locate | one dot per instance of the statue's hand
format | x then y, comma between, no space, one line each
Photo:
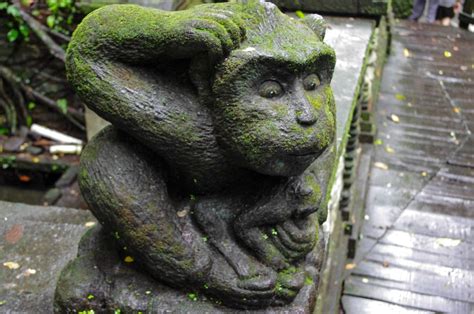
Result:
214,32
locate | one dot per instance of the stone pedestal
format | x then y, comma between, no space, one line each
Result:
103,280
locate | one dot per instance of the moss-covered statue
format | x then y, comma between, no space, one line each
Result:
210,183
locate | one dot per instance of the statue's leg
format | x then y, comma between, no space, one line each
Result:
211,215
125,187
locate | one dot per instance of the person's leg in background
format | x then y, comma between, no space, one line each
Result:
432,8
418,8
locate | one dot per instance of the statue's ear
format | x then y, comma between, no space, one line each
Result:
317,24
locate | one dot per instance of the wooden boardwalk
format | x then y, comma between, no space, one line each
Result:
416,254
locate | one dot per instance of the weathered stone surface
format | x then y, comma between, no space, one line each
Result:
41,240
215,169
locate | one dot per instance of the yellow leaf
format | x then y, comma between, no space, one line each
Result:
395,118
350,266
424,174
11,265
128,259
448,54
182,213
400,97
456,109
89,224
389,150
381,165
35,160
406,52
447,242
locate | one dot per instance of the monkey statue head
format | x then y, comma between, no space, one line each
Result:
274,111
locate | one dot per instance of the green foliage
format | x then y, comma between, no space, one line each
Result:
402,8
16,26
61,15
62,104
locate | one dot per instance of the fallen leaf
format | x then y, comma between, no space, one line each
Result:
381,165
400,97
441,72
447,242
350,266
24,178
11,265
35,160
409,104
182,213
128,259
424,174
385,264
3,302
406,53
90,224
389,150
14,234
456,109
378,142
395,118
448,54
463,68
365,280
29,272
456,48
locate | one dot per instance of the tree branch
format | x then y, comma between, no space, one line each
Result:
71,115
39,30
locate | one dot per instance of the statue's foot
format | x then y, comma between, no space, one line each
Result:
262,279
295,239
290,281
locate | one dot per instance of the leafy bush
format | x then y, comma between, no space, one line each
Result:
402,8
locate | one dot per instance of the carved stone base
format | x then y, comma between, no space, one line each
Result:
99,279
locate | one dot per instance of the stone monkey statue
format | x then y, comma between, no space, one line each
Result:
220,150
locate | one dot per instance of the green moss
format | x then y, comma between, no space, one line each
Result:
308,281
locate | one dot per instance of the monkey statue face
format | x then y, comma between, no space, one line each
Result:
275,114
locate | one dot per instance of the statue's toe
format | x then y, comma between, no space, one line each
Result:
262,281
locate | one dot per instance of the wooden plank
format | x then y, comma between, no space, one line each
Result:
375,289
436,225
356,305
419,277
462,250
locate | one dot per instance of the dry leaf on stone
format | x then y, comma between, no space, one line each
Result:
350,266
11,265
395,118
381,165
447,242
400,97
406,53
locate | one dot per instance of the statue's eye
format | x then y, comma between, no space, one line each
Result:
311,82
270,89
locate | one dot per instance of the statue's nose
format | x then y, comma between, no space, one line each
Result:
305,113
